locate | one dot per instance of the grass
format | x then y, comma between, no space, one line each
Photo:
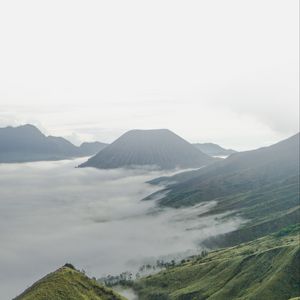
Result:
267,210
266,268
67,283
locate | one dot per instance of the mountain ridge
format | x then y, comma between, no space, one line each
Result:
240,172
261,186
27,143
213,149
67,283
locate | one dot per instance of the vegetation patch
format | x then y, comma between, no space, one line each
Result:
67,283
266,268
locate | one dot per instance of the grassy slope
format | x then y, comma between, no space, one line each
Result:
261,186
267,210
240,173
67,284
266,268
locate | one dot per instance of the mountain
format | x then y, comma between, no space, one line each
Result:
261,186
27,143
241,172
161,148
91,148
265,268
213,149
67,283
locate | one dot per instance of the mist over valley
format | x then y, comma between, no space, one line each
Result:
53,213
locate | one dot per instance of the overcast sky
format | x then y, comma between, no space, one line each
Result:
210,70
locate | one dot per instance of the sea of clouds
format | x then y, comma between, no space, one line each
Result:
52,213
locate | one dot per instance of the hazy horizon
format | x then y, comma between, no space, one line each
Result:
214,71
78,143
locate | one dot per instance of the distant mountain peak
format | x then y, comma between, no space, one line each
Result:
154,147
212,149
27,128
148,130
27,143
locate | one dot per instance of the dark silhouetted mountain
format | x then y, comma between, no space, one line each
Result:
213,149
161,148
27,143
91,148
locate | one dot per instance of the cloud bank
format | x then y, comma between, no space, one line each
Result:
52,213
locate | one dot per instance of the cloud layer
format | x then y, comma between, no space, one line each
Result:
52,213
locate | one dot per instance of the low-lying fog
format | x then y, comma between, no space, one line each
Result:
52,213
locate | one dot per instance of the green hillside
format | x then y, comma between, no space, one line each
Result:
67,283
266,268
240,173
261,186
266,210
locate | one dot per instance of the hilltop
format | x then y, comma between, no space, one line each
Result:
212,149
67,283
